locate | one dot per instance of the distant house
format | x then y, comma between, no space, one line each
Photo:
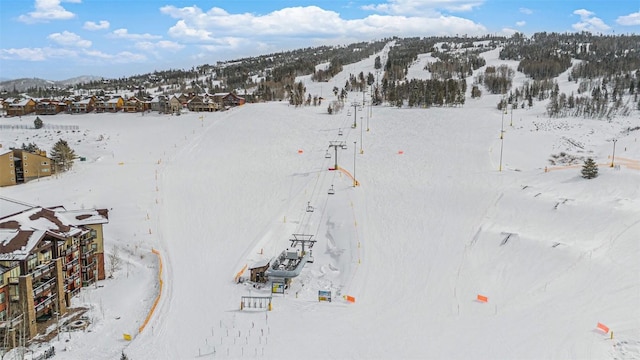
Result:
24,166
159,104
202,103
50,107
133,104
174,104
22,107
114,104
226,100
100,105
83,106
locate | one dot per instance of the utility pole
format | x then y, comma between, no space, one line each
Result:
355,182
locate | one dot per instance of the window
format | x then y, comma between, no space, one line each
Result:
2,297
44,163
11,164
45,170
25,157
25,164
3,314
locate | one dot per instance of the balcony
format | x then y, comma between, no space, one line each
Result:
86,254
70,250
45,302
88,267
43,270
71,263
41,288
14,281
71,278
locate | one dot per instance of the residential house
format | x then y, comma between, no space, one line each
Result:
100,105
50,107
159,104
7,168
198,103
46,256
22,107
83,106
114,104
174,104
226,100
133,104
24,166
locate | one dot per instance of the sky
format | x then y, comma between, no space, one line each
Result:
60,39
445,210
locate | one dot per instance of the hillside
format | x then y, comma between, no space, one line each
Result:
453,201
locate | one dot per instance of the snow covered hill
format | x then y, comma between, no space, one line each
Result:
445,211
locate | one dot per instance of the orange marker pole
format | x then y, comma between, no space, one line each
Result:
482,298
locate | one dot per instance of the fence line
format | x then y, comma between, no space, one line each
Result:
45,126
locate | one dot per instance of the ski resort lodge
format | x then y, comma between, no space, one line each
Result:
46,256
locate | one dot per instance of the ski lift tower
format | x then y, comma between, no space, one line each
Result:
303,240
335,145
355,112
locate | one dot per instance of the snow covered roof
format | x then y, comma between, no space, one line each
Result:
84,217
39,218
21,103
21,232
18,244
114,100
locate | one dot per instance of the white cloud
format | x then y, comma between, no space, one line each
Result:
183,31
629,20
207,28
120,58
124,34
92,26
69,39
422,7
159,45
588,22
36,54
526,11
46,10
508,31
521,23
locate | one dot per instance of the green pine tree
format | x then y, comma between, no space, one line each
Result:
589,169
38,123
62,155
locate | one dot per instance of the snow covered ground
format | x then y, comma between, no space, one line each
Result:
432,225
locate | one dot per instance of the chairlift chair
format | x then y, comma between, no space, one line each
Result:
309,207
339,132
343,147
348,113
331,191
327,155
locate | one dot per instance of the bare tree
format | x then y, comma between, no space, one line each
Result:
115,262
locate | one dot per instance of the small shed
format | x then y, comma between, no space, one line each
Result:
257,270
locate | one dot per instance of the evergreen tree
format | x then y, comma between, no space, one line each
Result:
62,155
37,123
589,169
32,147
